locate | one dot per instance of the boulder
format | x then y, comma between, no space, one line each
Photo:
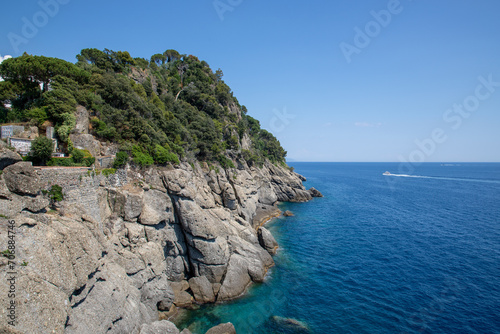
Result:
236,280
315,193
227,328
157,207
22,179
267,194
8,157
202,289
182,298
229,196
157,294
198,222
288,213
85,141
159,327
133,206
36,204
267,240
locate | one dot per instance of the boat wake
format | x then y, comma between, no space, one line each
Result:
443,178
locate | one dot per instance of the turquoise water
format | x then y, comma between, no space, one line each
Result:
416,253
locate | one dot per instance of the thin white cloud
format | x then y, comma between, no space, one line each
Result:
367,125
4,57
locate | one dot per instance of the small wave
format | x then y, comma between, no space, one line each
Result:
445,178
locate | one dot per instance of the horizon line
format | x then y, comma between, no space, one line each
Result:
427,162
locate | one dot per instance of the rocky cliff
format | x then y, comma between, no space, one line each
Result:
147,242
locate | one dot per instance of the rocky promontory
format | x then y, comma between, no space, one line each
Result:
121,249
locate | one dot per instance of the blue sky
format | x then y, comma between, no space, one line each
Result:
331,81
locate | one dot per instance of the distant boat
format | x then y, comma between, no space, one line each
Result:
387,173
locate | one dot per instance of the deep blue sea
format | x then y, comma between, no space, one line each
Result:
416,253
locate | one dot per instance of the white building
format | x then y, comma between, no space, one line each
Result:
22,145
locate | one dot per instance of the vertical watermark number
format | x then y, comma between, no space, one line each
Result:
10,254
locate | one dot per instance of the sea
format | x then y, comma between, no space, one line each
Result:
417,251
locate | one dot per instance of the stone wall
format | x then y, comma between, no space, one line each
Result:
80,185
105,161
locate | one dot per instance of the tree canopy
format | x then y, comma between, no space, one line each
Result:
159,110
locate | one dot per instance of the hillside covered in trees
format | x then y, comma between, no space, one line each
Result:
169,107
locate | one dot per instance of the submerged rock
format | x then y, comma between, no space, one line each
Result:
288,213
294,325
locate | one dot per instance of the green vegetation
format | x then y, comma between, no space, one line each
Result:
225,162
161,110
121,159
41,150
108,171
141,157
6,253
78,155
78,158
55,193
163,155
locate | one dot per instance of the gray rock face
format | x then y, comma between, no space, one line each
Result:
22,179
110,297
202,289
82,120
8,157
184,236
157,294
227,328
267,241
159,327
315,193
86,141
157,208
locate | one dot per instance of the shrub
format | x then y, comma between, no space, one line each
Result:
121,159
108,171
225,162
63,162
41,150
88,161
55,193
141,157
77,155
163,155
